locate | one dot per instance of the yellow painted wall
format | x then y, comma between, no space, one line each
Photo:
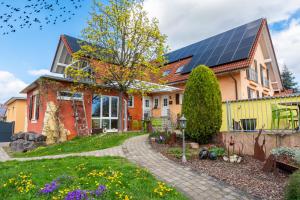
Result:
16,111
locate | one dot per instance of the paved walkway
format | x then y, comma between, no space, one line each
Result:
137,149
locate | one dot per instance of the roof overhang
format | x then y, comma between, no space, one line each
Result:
13,99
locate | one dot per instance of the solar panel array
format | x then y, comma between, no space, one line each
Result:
230,46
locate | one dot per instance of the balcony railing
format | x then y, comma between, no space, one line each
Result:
265,82
272,114
252,75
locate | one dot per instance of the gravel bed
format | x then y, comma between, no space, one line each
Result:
246,176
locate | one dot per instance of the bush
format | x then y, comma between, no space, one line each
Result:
177,152
202,105
219,151
293,188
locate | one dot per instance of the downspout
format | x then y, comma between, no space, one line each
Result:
235,86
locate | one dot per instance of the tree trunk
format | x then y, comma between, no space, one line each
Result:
120,114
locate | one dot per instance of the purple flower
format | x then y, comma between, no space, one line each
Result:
49,187
77,195
99,190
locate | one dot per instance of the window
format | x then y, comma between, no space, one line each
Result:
179,69
34,107
156,103
180,98
251,93
177,99
66,95
147,103
255,65
165,103
261,74
131,101
166,73
105,111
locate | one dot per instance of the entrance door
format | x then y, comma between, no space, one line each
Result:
165,106
146,107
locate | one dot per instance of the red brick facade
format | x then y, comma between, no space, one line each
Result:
66,109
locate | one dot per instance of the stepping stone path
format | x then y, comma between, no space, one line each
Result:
195,185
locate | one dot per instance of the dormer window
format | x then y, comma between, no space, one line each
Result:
166,73
179,69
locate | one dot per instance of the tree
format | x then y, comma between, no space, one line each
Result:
122,45
288,79
202,104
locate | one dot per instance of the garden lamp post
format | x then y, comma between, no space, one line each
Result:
182,122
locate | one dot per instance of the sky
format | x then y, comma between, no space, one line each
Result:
28,53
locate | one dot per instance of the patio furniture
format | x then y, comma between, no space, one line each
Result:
283,113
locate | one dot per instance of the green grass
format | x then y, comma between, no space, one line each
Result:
120,177
80,144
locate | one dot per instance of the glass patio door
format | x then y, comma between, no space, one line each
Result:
105,112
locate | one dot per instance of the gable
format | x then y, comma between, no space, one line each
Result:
231,46
62,57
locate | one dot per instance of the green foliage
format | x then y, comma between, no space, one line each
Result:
23,180
294,152
288,79
202,104
292,191
177,152
80,144
219,151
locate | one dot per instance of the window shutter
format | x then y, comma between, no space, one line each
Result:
177,99
30,107
37,108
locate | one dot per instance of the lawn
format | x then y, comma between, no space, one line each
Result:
80,144
82,177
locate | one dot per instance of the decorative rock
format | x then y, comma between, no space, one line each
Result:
23,142
212,156
152,139
194,145
225,158
203,154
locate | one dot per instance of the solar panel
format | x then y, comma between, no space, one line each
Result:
230,46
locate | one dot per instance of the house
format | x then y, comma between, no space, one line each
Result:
16,112
242,58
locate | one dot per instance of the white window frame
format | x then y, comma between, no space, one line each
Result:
156,98
130,98
180,99
67,98
110,113
34,106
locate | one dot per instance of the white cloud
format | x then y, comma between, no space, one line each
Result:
185,22
287,46
10,86
40,72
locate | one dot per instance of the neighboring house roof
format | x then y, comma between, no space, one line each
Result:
13,99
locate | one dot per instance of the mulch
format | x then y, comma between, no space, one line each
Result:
246,176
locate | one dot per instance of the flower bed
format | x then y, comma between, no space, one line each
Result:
247,175
81,178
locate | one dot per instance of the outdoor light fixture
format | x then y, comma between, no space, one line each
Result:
182,122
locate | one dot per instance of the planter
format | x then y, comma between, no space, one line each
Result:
286,167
